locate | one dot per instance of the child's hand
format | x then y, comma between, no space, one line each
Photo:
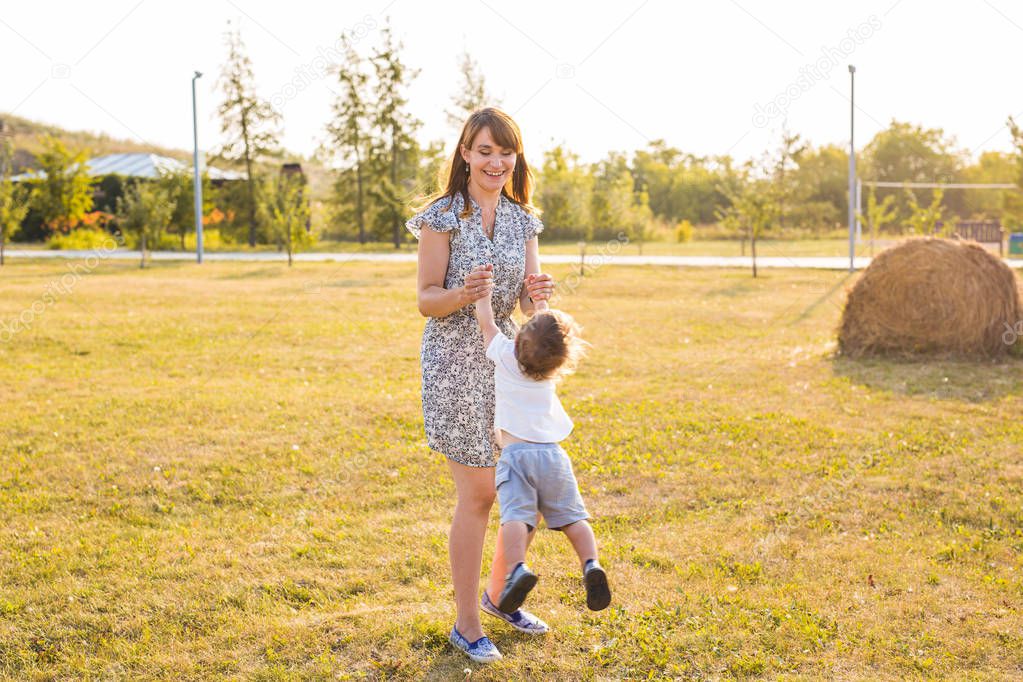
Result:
489,270
484,307
479,283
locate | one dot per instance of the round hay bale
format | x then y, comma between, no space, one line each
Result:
932,297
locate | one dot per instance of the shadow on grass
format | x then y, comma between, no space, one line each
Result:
450,664
128,266
940,379
735,290
275,270
350,283
57,268
825,297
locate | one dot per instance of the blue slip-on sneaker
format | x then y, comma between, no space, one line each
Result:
516,586
523,621
480,651
598,593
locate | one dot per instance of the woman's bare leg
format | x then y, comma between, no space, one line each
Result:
475,488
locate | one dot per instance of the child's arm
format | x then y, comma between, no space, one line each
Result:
485,312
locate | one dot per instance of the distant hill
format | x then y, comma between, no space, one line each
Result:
27,145
27,133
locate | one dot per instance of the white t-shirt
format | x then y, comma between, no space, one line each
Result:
525,408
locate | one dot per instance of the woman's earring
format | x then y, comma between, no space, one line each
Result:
466,168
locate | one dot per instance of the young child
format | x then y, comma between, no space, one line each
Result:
534,474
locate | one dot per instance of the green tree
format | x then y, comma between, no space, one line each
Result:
991,168
396,151
350,139
145,212
248,123
615,207
1017,142
564,193
908,153
878,214
821,183
14,201
287,204
64,195
787,158
654,171
924,219
472,93
680,186
13,207
180,188
234,199
755,205
1013,201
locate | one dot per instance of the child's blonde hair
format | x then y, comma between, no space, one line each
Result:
549,345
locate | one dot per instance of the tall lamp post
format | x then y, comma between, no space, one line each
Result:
852,169
196,171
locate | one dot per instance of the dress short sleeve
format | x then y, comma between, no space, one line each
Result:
440,216
533,226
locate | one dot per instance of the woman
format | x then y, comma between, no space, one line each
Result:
482,216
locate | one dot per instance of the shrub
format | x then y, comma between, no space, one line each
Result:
81,239
684,231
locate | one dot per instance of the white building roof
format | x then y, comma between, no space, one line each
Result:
138,166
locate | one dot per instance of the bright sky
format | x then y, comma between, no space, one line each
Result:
708,77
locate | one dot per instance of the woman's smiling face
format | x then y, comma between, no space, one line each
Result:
490,164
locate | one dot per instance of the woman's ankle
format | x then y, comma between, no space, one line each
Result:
470,630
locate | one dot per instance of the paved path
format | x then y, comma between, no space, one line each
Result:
592,260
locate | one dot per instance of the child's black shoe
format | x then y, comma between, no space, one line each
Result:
598,593
516,586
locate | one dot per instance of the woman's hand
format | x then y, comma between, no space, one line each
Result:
478,284
539,286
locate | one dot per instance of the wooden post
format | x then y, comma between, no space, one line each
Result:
582,258
753,249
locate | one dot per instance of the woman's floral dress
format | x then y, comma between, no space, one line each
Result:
458,379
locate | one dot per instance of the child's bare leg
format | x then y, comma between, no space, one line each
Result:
502,565
583,541
598,593
514,535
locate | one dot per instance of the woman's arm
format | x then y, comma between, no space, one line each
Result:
433,299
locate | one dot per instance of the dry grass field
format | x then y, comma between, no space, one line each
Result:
219,471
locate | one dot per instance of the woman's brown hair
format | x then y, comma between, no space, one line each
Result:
506,133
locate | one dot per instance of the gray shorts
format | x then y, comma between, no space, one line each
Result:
537,477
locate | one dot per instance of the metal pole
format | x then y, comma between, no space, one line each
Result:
197,173
859,210
852,169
